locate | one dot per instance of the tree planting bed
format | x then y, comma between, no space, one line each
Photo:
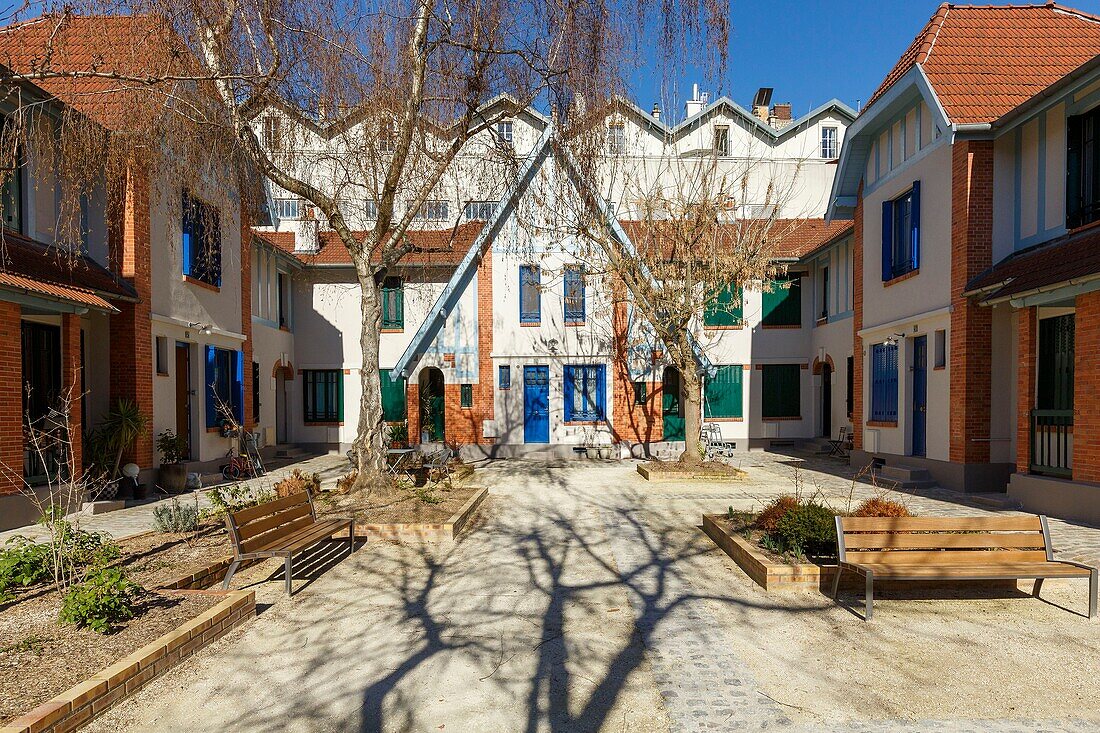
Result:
437,515
677,471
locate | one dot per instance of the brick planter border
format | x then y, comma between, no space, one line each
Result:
672,476
767,574
90,698
433,532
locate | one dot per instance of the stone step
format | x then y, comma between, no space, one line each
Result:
904,473
994,500
290,452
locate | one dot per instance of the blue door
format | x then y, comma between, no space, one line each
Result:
920,394
536,404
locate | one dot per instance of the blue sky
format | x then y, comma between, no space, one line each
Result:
809,51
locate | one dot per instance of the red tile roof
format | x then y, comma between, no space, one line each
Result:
1070,257
790,238
985,60
126,45
433,246
56,275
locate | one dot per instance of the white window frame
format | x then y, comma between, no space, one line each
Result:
479,210
830,142
721,141
434,210
616,138
505,131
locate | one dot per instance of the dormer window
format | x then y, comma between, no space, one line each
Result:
504,134
722,140
616,138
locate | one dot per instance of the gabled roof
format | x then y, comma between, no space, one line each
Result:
432,246
37,269
1067,260
984,60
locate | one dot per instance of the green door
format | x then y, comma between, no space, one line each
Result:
432,404
672,408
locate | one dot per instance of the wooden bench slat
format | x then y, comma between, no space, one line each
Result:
868,541
270,522
278,534
302,538
975,571
1014,523
946,557
244,516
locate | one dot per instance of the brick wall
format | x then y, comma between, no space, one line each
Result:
1086,389
857,323
70,377
131,328
246,316
971,324
11,398
1026,333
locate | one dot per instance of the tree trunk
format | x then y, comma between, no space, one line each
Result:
371,452
691,388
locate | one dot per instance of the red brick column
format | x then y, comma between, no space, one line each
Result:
630,422
131,329
71,384
971,324
11,398
246,318
1027,330
1086,389
412,407
857,323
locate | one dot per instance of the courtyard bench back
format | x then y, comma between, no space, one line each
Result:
280,528
952,548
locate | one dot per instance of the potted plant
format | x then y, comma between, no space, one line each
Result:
399,434
124,424
173,473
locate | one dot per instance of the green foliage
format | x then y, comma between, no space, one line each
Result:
67,553
808,529
32,644
104,598
424,494
23,563
228,499
171,447
176,517
399,432
121,426
775,510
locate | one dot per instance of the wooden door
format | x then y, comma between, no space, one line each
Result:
183,395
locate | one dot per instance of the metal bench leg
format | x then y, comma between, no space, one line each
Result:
1038,587
229,573
287,565
870,596
836,581
1092,594
351,538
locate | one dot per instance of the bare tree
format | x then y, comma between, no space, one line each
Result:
393,86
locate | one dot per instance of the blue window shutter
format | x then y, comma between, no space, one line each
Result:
914,218
887,239
186,225
892,382
600,401
211,378
238,387
567,390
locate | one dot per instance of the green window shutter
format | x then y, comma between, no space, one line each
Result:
722,395
725,309
781,390
783,305
393,303
393,397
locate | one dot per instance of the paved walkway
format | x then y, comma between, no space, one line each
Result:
588,600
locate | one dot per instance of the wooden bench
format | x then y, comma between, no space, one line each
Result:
280,528
952,548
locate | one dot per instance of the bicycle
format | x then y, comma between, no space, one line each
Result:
239,466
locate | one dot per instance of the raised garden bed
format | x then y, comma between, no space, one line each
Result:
676,471
409,517
769,573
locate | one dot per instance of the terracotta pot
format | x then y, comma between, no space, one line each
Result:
172,477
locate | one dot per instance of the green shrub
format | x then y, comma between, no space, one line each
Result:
775,510
228,499
23,563
176,517
105,597
808,529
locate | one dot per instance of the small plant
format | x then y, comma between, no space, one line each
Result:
104,598
297,482
399,433
424,494
880,506
228,499
30,645
176,517
774,511
23,563
172,447
808,529
346,482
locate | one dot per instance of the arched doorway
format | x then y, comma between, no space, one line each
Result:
284,378
672,406
432,406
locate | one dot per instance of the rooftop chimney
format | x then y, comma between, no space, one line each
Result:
656,111
695,105
761,102
783,112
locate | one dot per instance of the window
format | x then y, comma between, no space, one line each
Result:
574,295
162,355
41,377
940,344
829,149
884,383
370,209
1082,169
323,393
504,133
202,241
289,209
781,390
255,392
504,377
393,303
479,210
387,135
824,293
584,393
722,394
282,291
272,132
393,396
850,396
901,234
1056,363
640,393
616,138
722,140
783,302
466,395
530,301
725,310
224,385
434,211
11,192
